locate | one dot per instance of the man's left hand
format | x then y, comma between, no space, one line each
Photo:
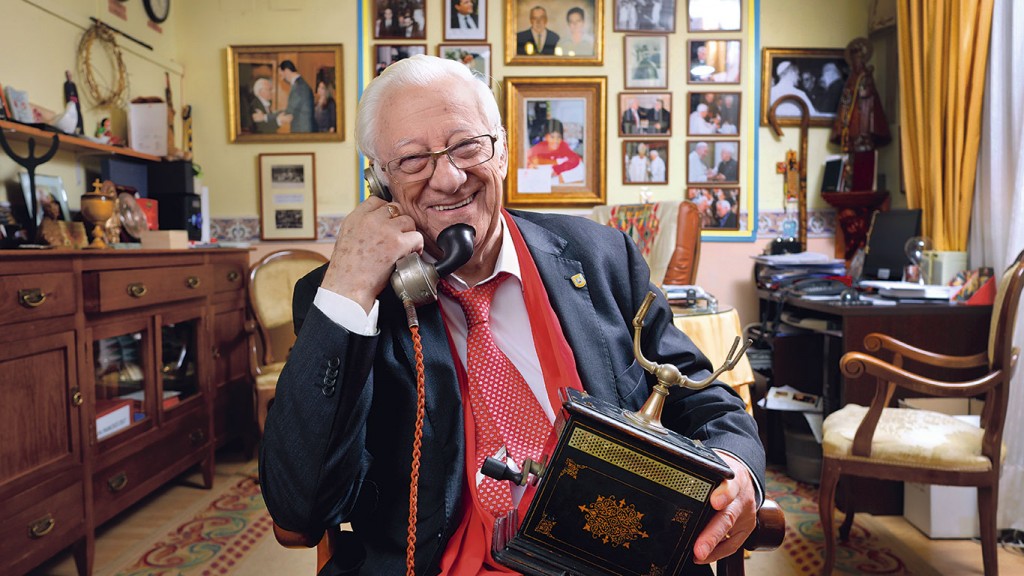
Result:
736,503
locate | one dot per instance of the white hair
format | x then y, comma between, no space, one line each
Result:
417,73
702,107
729,148
259,82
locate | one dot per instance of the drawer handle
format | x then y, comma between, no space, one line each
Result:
31,297
42,527
215,351
192,282
76,397
117,482
197,437
137,289
233,276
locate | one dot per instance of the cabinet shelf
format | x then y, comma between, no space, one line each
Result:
22,132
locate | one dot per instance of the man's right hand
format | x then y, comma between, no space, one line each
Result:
369,243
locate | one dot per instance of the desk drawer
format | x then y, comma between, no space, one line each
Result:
44,527
36,296
229,276
111,290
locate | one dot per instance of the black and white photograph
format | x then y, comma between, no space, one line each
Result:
287,176
816,77
287,196
715,15
396,19
646,61
713,113
476,57
713,161
645,162
465,20
653,16
714,61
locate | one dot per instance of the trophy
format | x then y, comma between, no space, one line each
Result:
619,493
97,208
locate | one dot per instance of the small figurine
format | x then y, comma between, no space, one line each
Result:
71,97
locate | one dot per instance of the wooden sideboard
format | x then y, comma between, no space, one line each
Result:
119,370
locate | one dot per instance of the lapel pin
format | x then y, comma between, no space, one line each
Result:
579,281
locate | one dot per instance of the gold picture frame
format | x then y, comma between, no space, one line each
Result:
547,171
801,62
574,33
288,196
284,110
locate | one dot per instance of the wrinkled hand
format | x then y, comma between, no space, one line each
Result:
736,503
369,243
259,116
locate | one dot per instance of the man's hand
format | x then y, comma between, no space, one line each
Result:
372,238
259,116
736,503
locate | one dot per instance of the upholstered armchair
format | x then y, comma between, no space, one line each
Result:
667,233
271,333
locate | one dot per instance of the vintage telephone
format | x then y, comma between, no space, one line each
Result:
692,298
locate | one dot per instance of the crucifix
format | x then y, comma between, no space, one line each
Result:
796,180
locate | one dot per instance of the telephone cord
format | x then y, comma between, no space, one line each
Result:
417,441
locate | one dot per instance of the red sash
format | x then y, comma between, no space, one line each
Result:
469,550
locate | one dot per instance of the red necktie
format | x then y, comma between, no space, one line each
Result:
505,410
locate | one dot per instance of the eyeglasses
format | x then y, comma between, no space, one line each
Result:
463,155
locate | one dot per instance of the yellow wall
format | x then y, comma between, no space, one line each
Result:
193,48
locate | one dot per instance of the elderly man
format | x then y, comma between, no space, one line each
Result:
262,119
697,170
339,436
537,39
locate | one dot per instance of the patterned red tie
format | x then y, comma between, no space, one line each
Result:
505,410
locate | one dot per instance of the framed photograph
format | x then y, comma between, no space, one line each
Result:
286,93
561,32
713,161
288,196
556,141
51,198
715,15
653,16
399,20
720,208
465,20
645,113
645,162
714,113
714,61
476,57
387,54
646,61
816,76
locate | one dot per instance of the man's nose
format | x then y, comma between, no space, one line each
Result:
446,176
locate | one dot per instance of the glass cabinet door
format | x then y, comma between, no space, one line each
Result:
120,370
179,370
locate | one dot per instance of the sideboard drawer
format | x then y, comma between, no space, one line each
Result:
229,276
43,527
110,290
36,296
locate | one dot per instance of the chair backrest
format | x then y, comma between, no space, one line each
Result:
1001,351
667,233
271,283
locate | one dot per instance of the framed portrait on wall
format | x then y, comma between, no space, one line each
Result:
815,76
476,57
645,161
285,93
288,196
654,17
720,208
406,20
714,162
646,61
714,61
465,20
715,15
713,113
560,32
50,196
387,54
645,113
556,141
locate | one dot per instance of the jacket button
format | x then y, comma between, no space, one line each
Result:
334,362
328,390
332,373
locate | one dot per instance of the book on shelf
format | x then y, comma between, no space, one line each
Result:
170,397
832,176
865,170
112,416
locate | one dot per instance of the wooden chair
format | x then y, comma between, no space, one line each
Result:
920,445
271,334
667,233
767,535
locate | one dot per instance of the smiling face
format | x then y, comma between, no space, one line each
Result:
418,121
538,20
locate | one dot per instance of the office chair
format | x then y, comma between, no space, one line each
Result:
920,445
667,233
271,335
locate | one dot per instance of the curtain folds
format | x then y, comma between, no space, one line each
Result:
943,51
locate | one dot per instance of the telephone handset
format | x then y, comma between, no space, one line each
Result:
374,186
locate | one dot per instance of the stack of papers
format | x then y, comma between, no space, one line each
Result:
890,289
778,270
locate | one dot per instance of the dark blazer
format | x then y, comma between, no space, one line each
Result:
526,37
300,106
268,126
338,438
457,22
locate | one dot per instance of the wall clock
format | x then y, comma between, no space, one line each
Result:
157,9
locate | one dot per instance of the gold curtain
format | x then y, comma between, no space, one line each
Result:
943,50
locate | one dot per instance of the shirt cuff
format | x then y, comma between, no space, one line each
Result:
346,313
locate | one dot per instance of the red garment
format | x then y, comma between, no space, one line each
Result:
543,152
469,550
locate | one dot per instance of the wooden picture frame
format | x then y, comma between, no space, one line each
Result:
645,162
715,15
385,55
574,32
786,71
707,168
408,24
544,170
723,115
645,113
715,61
465,20
288,196
645,17
283,111
476,57
708,199
645,59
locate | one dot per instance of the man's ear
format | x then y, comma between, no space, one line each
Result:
502,154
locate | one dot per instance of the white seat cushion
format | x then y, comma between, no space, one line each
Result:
908,437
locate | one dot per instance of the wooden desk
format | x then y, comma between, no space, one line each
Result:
714,335
938,327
